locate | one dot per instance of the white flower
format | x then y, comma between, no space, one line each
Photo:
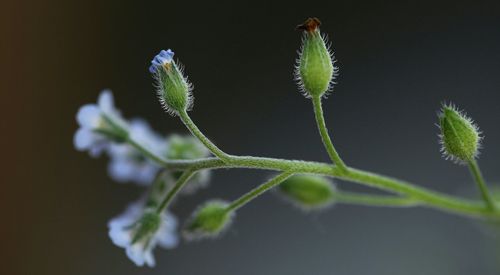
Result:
98,123
127,164
122,230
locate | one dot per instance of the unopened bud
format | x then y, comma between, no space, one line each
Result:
209,220
460,137
174,91
315,70
308,191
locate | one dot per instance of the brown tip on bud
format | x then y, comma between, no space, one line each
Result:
310,25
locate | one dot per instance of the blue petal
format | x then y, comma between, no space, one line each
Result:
84,139
121,170
106,102
152,69
89,116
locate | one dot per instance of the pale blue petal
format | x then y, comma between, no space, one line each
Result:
162,58
121,151
140,256
135,254
142,133
167,234
119,236
84,139
168,241
106,102
89,116
145,173
121,170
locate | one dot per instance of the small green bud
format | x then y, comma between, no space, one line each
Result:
209,220
308,191
146,227
460,137
315,70
174,91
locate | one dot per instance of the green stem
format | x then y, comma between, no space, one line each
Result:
177,187
426,197
373,200
478,177
203,139
254,193
146,152
325,137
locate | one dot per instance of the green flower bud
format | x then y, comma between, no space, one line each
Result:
146,227
460,137
308,191
315,70
209,220
174,91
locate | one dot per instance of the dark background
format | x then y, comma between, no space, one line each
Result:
398,62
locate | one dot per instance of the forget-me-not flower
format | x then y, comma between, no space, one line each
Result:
124,228
127,164
99,124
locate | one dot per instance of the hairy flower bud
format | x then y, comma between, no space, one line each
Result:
460,137
209,220
174,90
308,191
315,70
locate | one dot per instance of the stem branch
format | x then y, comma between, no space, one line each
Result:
258,191
478,177
325,137
203,139
177,187
425,196
373,200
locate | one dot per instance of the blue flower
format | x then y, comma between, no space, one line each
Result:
122,230
98,124
127,164
164,57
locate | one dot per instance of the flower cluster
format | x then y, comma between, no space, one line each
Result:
139,230
100,124
104,130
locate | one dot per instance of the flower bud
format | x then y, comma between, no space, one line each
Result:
174,91
209,220
315,70
308,191
460,137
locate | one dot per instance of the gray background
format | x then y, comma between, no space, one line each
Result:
398,62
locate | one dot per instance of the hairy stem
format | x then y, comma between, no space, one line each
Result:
425,196
478,177
373,200
177,187
323,131
203,139
259,190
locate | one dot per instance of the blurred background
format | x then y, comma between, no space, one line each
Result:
398,62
